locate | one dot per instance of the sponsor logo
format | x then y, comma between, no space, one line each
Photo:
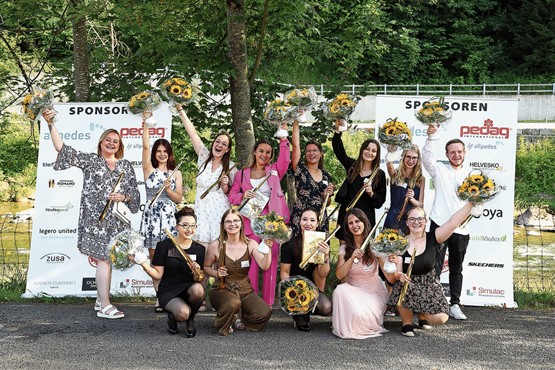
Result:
471,146
75,135
135,283
58,209
93,261
485,292
57,233
159,132
488,130
485,264
61,183
486,166
492,239
446,289
454,106
48,164
55,258
89,283
490,214
75,111
55,284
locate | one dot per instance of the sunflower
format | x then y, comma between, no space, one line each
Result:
489,186
187,93
180,81
292,308
291,293
345,102
341,97
334,108
473,190
176,89
427,111
27,99
392,237
304,299
301,284
476,179
390,131
143,95
132,101
291,95
463,187
438,109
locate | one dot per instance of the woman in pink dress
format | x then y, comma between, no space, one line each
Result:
359,302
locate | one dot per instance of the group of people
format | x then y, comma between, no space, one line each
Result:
221,242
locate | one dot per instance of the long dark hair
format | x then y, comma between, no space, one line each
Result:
166,144
350,246
298,240
252,159
226,157
356,168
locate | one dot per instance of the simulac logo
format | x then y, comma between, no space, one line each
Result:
485,131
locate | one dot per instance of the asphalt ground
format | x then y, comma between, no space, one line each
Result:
69,336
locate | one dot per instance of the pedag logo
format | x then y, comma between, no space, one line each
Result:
159,132
55,258
487,130
93,261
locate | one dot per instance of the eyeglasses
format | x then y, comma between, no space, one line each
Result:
411,158
237,221
413,220
187,226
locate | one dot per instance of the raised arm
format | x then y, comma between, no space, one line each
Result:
190,128
296,141
444,231
48,116
428,157
263,260
339,150
284,158
147,164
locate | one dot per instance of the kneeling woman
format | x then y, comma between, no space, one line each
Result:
180,293
291,258
231,253
358,303
424,294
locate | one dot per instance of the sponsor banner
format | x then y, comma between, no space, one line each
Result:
488,129
56,267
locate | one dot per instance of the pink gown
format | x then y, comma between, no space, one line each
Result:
359,303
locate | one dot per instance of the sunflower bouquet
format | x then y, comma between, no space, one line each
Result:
271,226
390,241
477,188
121,246
279,112
302,99
178,91
433,111
146,101
340,108
297,295
396,133
36,102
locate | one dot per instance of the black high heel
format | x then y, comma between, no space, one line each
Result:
305,328
172,324
190,333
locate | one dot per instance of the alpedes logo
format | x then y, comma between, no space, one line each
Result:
485,131
490,239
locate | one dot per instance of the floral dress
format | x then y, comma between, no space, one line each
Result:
161,215
209,210
309,194
93,235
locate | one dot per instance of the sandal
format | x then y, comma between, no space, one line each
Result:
97,305
158,309
110,312
239,324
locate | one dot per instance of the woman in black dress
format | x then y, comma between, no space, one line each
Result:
424,293
180,293
291,258
358,170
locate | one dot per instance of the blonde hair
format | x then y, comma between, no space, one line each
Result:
119,152
400,177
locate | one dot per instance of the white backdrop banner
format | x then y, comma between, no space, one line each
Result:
488,128
56,267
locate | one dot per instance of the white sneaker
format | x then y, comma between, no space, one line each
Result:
456,313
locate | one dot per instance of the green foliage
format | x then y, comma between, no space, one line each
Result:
534,180
535,300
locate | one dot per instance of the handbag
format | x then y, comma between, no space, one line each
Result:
341,195
122,212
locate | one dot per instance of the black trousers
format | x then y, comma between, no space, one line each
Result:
456,244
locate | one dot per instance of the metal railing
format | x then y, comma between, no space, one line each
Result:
450,89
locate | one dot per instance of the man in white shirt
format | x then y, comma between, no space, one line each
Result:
447,177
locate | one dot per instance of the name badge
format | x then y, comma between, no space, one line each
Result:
404,185
193,257
407,260
245,263
274,173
